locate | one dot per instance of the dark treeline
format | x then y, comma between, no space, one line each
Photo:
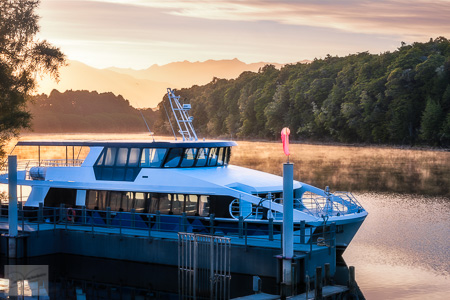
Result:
83,111
400,97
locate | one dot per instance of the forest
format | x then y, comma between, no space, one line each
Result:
85,111
400,97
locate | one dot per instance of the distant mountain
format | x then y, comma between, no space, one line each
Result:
186,74
78,76
145,88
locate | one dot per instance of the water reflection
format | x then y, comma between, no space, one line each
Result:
78,277
402,251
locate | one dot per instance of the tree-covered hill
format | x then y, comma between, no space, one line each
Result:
84,111
400,97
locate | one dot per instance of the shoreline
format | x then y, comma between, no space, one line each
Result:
256,140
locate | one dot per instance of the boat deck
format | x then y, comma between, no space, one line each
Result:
249,241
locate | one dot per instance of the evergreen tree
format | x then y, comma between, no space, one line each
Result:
22,55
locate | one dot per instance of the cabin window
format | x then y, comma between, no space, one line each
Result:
189,157
212,158
190,205
177,204
203,206
100,160
110,156
122,156
167,204
227,155
57,196
139,202
133,160
202,157
173,158
164,204
154,203
115,201
152,157
220,158
117,164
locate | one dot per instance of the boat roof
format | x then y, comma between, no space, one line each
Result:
129,143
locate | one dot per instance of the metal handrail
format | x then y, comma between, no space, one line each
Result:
64,218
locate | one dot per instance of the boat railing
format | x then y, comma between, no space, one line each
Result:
335,204
248,212
153,225
26,165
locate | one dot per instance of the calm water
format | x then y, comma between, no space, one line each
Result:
402,250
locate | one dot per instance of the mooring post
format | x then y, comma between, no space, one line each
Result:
327,274
318,295
352,280
302,231
12,206
288,224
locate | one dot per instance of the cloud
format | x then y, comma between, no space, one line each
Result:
418,18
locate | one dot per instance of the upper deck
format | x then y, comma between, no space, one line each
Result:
122,160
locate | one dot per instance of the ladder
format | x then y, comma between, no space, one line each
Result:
181,114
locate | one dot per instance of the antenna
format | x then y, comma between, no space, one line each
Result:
148,128
181,114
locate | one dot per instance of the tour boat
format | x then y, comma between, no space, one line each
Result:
187,179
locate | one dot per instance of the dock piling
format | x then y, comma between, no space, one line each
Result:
12,207
288,223
318,295
327,274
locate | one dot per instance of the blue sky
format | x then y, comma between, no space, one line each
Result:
139,33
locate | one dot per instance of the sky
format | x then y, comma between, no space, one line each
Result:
139,33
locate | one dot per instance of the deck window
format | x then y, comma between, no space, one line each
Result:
212,158
203,206
122,157
173,158
152,157
139,201
189,157
202,157
177,204
220,157
110,156
191,205
133,159
166,204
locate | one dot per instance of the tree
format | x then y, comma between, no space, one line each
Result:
432,120
22,56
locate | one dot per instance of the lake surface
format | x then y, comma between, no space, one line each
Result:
402,250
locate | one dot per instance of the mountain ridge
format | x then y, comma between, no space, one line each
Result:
145,87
